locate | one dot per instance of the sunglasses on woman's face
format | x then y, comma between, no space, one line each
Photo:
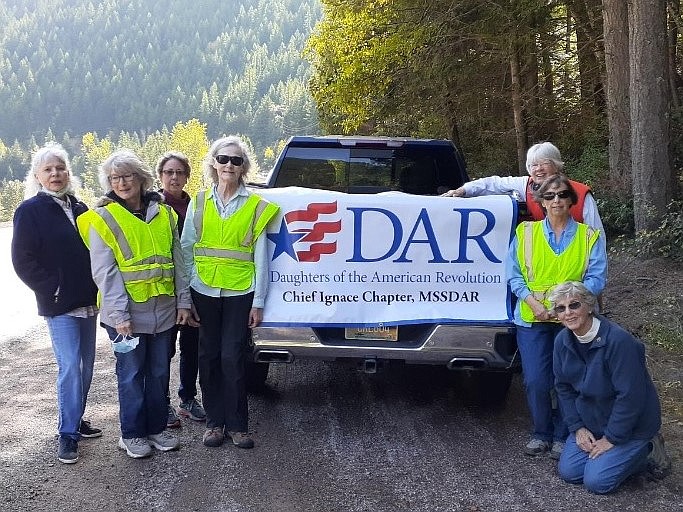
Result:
234,160
550,196
572,305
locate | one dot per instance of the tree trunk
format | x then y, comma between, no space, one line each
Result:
615,13
518,114
653,178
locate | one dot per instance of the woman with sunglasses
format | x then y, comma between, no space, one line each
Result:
606,396
137,265
542,255
224,244
50,257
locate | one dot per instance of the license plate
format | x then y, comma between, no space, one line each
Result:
381,333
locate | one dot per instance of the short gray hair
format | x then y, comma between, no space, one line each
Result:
210,172
544,151
574,289
125,160
51,149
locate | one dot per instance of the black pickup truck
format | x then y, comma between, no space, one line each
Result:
483,356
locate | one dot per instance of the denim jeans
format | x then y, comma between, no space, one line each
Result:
189,361
536,349
142,376
73,342
606,472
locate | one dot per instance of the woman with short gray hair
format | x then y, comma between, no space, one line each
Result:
606,395
138,267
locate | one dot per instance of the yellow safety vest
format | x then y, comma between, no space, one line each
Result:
543,269
143,251
224,251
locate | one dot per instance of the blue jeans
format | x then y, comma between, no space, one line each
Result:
73,342
605,473
536,348
142,376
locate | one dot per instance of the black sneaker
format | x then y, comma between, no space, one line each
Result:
88,430
68,450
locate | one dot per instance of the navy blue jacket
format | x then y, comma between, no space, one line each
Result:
611,393
49,255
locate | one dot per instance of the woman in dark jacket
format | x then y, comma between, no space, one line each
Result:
50,257
606,396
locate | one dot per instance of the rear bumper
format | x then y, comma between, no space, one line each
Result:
454,346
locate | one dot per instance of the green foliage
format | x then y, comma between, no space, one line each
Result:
667,239
135,66
11,194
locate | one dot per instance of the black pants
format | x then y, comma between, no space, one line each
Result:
223,346
189,353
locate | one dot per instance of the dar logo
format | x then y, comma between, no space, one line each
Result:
304,229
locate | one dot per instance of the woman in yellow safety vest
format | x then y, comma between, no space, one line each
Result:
542,255
224,245
137,265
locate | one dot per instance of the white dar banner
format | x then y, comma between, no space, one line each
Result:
386,259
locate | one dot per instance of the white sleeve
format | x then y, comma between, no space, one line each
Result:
493,185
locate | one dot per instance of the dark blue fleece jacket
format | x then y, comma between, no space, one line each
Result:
611,393
49,255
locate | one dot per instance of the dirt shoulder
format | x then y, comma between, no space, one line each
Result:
646,298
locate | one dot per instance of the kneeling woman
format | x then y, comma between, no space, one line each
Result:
137,264
606,396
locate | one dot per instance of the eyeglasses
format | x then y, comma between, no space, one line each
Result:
536,165
550,196
171,172
572,305
234,160
127,178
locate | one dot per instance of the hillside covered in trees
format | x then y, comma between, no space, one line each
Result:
72,67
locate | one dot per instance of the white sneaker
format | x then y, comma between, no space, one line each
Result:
164,441
136,447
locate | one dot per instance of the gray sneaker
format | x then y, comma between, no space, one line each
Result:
136,447
173,421
536,447
192,409
164,441
556,450
658,461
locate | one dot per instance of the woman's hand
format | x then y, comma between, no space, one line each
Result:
255,317
585,439
458,192
599,447
125,328
193,321
182,316
540,312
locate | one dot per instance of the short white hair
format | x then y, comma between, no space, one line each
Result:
31,184
125,160
544,151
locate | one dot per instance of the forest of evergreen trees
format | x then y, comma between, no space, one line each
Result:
134,68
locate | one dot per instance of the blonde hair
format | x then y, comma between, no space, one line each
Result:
210,172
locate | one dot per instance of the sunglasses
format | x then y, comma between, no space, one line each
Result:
572,305
234,160
172,172
550,196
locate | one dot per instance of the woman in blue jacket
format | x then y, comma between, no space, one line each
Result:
49,256
606,396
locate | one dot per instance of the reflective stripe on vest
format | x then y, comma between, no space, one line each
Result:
224,251
144,275
542,269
